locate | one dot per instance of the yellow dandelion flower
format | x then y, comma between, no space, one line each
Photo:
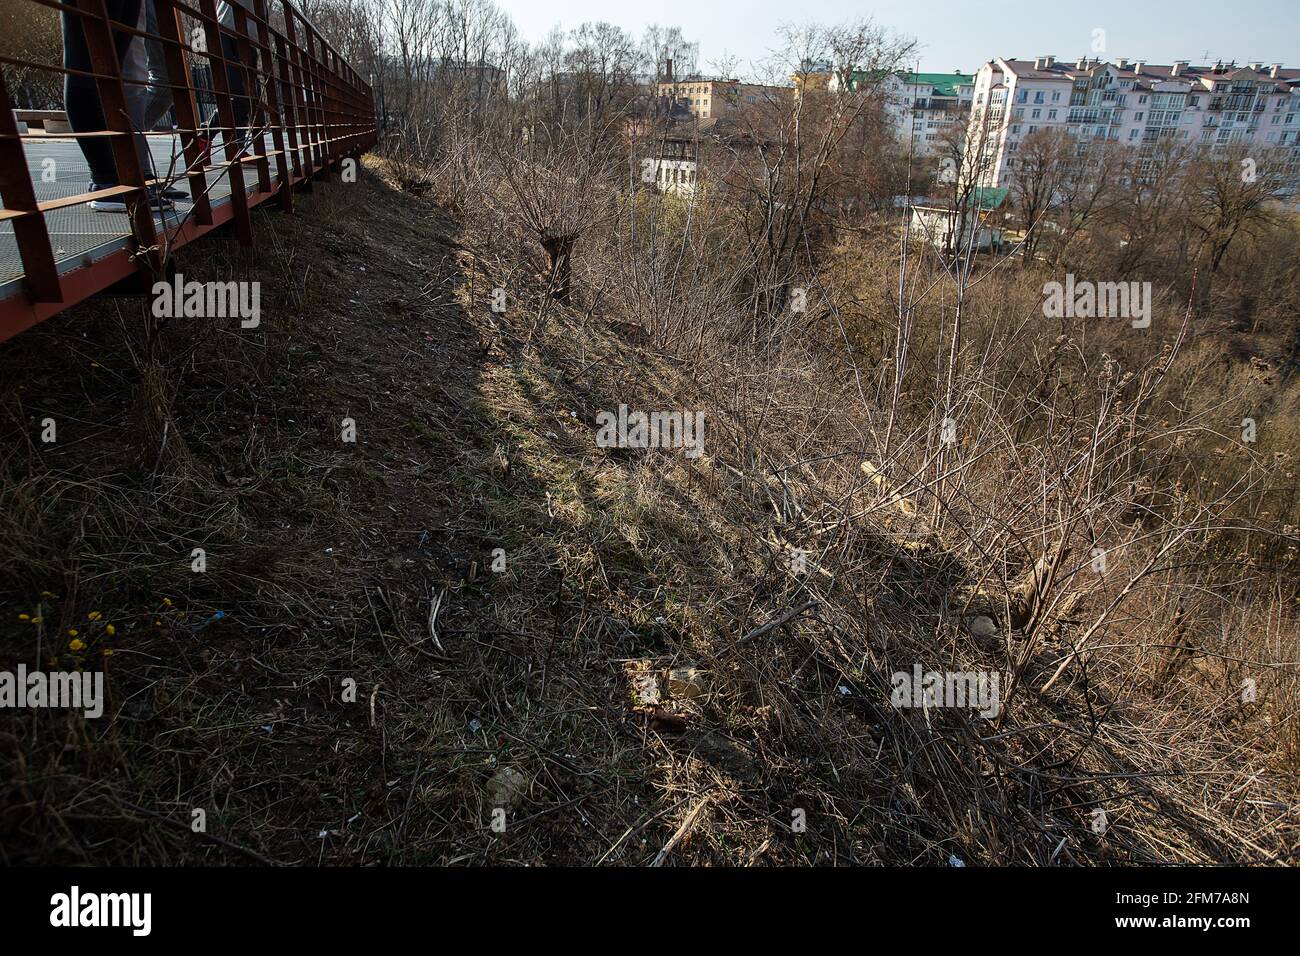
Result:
24,617
73,632
48,594
108,652
110,630
76,645
37,619
157,623
93,616
167,602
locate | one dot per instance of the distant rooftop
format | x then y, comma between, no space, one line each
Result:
945,84
1144,73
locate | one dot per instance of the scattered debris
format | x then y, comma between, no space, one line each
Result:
644,683
506,787
686,683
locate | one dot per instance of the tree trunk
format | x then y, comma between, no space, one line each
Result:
559,255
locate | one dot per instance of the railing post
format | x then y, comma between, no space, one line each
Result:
300,91
247,56
285,189
229,134
187,113
320,98
19,195
291,98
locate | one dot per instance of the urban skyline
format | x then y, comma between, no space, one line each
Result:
949,38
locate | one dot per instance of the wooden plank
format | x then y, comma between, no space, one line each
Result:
52,204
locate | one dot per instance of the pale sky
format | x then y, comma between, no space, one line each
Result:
961,34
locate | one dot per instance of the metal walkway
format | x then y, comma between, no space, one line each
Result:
79,234
307,110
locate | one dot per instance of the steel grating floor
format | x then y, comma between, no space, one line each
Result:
82,234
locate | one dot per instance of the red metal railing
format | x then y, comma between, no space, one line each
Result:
273,70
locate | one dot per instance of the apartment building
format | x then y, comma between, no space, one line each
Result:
713,97
928,105
1131,102
920,106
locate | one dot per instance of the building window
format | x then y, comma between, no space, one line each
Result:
1051,114
1036,114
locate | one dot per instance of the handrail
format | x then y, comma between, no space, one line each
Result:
270,73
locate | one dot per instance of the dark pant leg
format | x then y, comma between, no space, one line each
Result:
238,88
159,103
81,93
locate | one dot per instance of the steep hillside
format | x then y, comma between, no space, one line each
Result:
474,605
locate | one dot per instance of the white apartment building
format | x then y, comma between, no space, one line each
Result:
928,105
1130,102
922,106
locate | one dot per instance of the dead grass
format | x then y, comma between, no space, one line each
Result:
327,559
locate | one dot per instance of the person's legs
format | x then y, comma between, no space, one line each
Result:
81,94
135,74
160,94
148,97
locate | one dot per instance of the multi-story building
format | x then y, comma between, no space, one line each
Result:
927,105
922,106
712,97
1131,102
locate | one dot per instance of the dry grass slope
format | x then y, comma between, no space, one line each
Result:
372,562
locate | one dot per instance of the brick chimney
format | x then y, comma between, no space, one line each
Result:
1122,63
1178,67
668,70
1275,70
